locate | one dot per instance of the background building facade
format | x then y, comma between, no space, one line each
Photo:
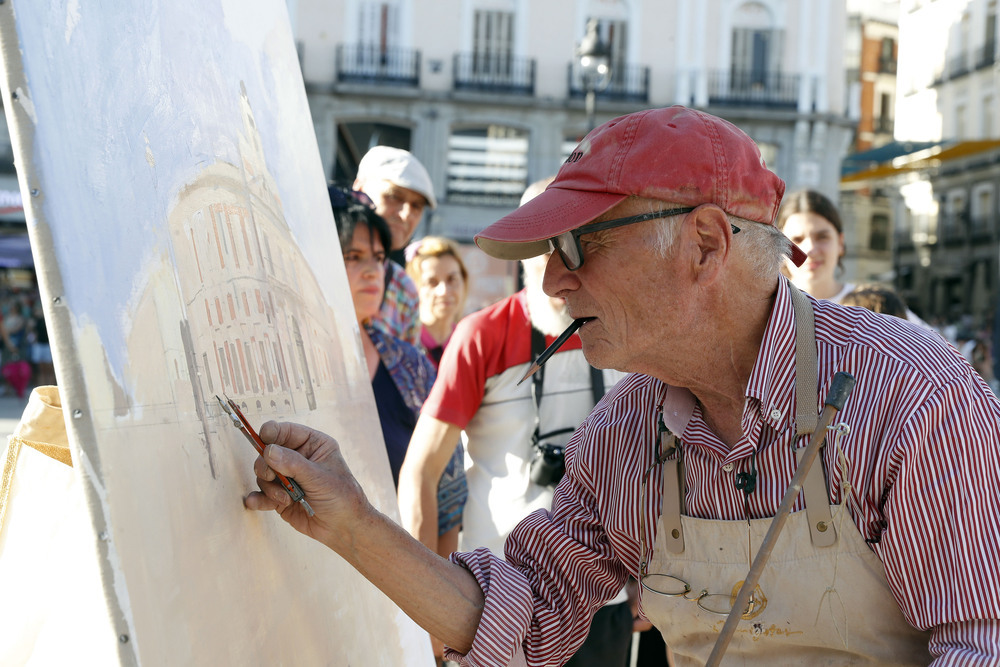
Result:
937,185
490,96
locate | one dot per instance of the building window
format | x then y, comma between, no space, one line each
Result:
757,46
883,124
354,139
613,33
378,27
492,43
878,232
756,60
888,48
887,56
991,27
487,165
982,208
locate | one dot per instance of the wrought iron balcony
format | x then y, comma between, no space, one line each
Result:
372,64
986,55
958,66
491,73
887,65
628,83
983,227
884,125
772,90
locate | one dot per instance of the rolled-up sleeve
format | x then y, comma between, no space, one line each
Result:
506,614
559,568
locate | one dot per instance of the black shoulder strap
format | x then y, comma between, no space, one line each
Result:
538,379
596,383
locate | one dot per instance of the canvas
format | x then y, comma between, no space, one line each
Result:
185,247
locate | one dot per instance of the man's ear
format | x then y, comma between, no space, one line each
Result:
714,237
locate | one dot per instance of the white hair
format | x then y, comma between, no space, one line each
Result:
763,246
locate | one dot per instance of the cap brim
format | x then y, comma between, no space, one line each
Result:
796,254
525,232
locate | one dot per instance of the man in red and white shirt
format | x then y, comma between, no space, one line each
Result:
694,305
477,395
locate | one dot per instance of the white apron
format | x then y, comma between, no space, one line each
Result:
824,599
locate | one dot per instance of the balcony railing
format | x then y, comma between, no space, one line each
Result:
370,63
490,73
756,89
884,125
958,66
986,55
628,83
953,230
983,227
886,66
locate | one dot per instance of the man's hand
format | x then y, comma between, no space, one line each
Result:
443,598
314,460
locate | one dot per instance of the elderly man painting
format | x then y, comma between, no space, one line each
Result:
662,225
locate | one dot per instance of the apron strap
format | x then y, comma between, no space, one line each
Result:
677,404
814,488
673,496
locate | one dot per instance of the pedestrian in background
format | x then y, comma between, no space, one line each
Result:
436,267
400,189
514,433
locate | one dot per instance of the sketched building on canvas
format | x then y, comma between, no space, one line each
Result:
255,324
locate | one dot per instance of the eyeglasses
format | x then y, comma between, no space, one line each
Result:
568,246
720,604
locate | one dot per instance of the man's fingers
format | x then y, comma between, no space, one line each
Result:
260,502
288,434
302,439
269,431
286,461
285,436
261,469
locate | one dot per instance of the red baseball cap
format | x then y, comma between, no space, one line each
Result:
676,155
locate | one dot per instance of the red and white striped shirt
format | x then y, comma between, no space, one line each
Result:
923,473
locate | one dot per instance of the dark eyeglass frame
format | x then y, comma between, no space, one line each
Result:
567,244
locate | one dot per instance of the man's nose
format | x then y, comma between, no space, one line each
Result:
557,278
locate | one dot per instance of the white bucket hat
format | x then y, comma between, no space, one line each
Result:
400,168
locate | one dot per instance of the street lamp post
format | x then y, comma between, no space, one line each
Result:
593,56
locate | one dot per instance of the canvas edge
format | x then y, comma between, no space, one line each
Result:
17,102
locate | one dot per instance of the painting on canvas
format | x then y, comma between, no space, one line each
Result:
185,248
